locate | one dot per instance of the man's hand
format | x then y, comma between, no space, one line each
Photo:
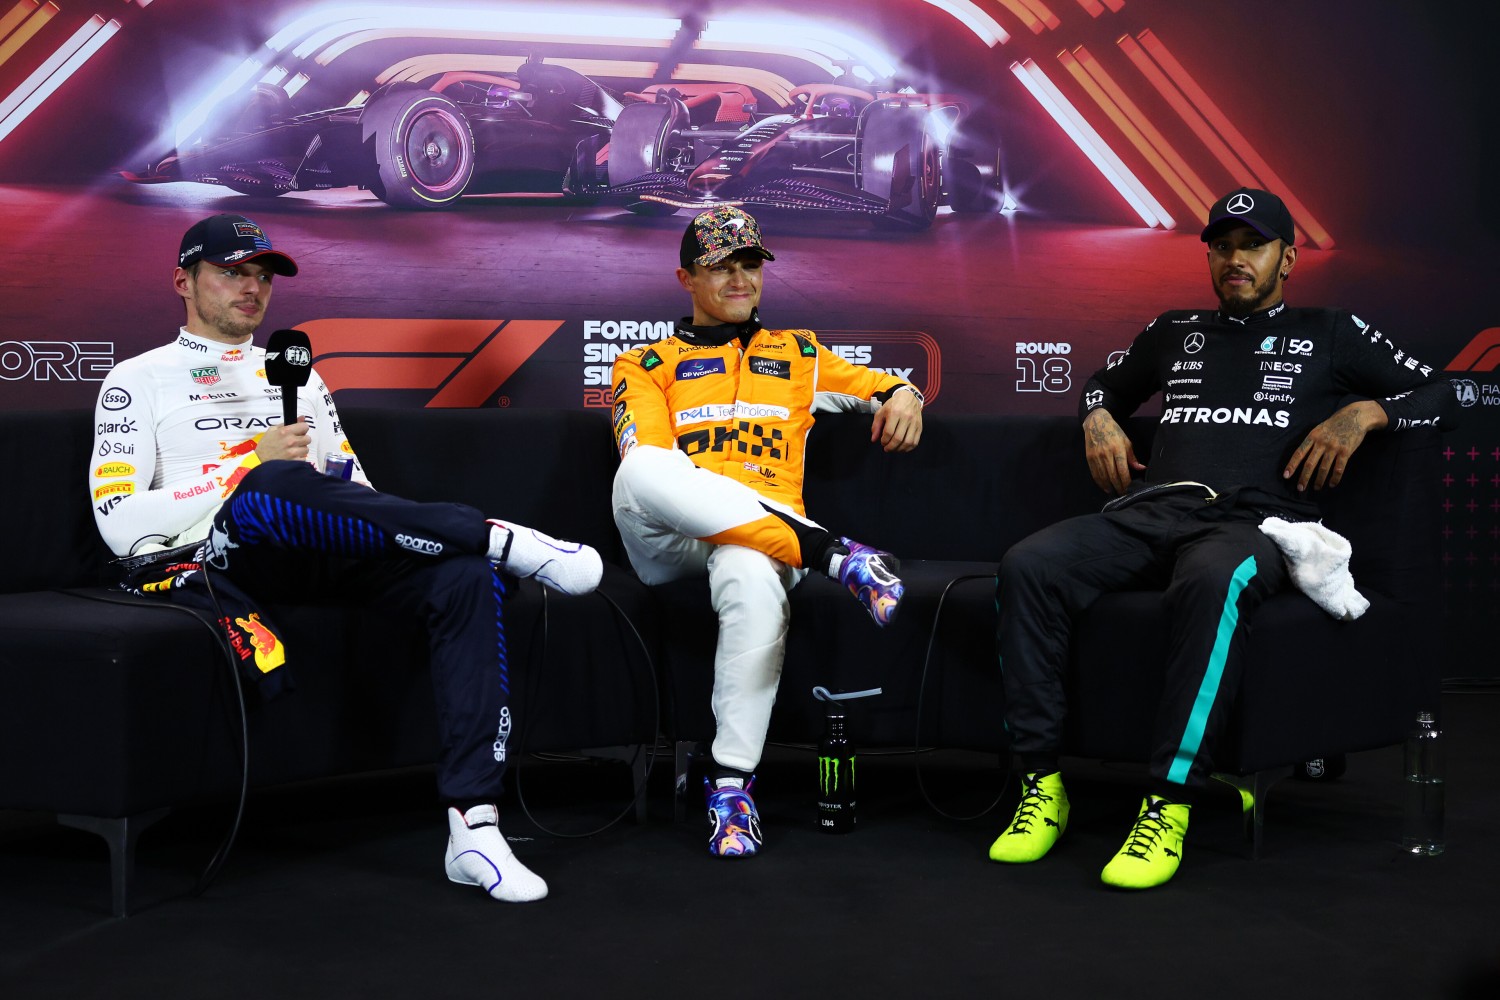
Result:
898,422
1109,451
288,441
1324,453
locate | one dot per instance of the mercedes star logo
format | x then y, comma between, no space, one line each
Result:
1240,204
1193,344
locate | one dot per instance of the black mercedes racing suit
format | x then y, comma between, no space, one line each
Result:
1238,397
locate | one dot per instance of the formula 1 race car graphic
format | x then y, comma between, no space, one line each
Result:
414,146
835,148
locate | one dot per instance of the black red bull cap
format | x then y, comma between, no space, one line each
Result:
226,240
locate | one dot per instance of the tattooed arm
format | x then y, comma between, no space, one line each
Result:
1324,453
1110,454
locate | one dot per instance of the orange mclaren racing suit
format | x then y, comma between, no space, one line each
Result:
712,426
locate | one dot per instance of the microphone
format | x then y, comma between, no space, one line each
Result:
288,365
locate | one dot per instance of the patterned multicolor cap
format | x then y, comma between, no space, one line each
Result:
719,232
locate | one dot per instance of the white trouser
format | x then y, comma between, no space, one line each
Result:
664,506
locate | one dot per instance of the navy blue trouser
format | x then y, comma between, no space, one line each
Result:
294,536
1216,567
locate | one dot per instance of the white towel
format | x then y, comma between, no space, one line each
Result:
1318,559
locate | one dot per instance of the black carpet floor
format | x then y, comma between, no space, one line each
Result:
336,890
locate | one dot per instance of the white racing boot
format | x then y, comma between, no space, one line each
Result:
478,855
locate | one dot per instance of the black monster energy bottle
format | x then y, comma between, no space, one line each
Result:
835,776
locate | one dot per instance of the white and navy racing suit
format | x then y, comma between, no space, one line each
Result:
712,426
1238,397
174,464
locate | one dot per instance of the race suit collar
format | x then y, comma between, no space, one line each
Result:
719,335
1255,317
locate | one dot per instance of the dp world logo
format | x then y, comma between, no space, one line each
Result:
1240,204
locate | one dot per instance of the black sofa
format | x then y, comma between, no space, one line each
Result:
112,712
114,709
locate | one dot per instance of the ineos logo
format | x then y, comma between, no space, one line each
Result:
1193,344
1240,204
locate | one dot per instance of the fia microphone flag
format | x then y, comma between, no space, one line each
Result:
288,365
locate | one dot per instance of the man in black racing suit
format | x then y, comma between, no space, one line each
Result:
1259,402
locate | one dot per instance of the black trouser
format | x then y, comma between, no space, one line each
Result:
1216,567
294,536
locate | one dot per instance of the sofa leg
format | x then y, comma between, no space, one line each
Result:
683,754
634,757
120,833
1253,789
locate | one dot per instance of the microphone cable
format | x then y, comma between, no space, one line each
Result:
640,747
917,745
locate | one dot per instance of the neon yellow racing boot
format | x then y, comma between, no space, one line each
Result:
1040,819
1153,850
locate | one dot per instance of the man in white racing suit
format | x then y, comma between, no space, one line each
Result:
220,506
712,425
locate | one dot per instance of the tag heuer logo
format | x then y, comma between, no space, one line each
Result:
206,376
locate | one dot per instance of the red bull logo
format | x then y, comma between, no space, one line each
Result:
232,481
268,650
245,447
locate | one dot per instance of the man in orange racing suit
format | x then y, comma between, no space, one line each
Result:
712,425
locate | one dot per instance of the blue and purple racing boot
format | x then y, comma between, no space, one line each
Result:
869,575
734,822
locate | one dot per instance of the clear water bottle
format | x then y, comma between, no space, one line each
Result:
835,775
1424,788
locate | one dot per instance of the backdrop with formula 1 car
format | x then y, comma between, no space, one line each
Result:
989,197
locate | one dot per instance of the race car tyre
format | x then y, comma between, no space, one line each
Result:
895,158
965,185
638,145
423,148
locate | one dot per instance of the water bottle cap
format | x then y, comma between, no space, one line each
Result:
823,694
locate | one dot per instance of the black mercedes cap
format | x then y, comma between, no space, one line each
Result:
1260,210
